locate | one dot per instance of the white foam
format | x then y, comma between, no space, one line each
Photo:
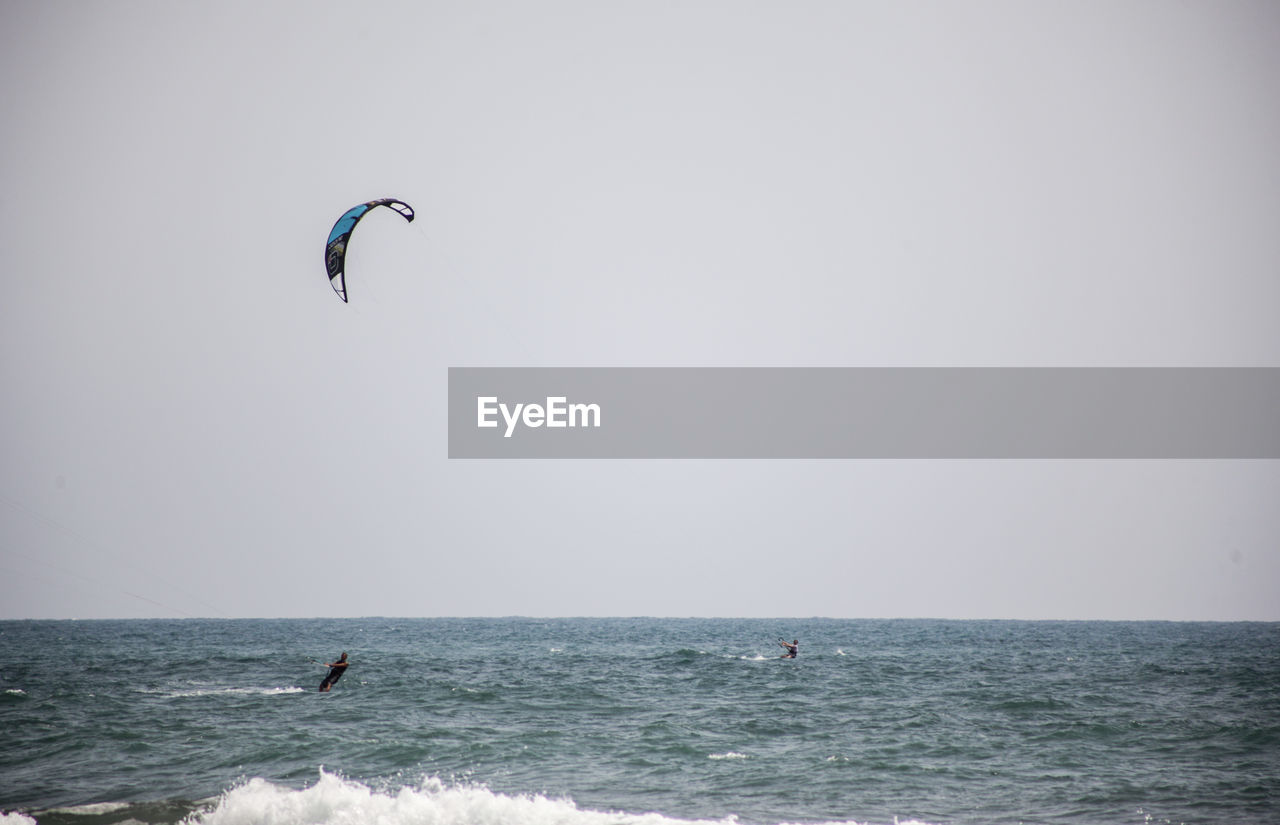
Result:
230,691
92,809
16,692
729,755
15,818
336,801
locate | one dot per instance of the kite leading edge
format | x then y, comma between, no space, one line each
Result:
335,250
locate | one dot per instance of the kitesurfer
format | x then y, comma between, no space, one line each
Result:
336,669
792,649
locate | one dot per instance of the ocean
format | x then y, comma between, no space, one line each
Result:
520,721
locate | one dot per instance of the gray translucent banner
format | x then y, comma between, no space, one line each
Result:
863,413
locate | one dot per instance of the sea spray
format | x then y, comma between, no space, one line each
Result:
15,819
334,800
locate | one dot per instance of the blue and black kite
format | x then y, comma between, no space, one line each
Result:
335,250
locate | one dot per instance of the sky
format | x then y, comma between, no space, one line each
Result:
195,425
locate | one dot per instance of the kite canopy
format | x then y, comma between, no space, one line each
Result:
335,250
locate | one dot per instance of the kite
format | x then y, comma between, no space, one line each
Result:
335,250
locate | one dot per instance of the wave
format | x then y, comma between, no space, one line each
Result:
334,800
228,691
15,819
686,655
111,813
474,694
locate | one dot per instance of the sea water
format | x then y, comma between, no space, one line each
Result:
656,721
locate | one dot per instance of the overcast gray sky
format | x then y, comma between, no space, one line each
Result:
196,425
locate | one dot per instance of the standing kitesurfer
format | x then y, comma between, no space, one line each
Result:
792,649
336,669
